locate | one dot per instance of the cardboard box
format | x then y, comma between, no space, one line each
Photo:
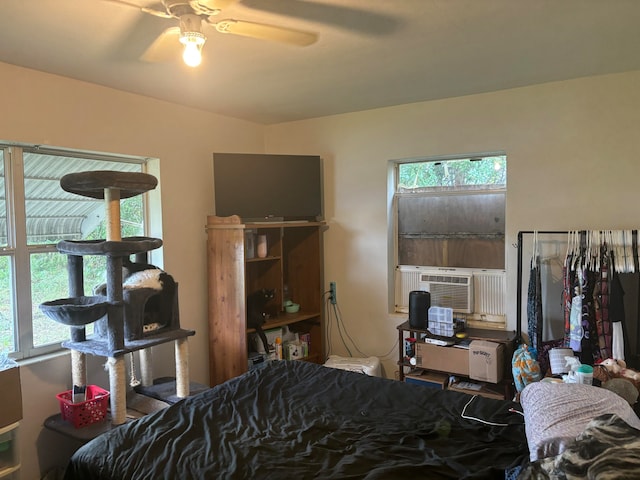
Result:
11,410
428,379
486,361
443,359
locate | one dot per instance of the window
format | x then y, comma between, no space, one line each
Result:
448,217
35,214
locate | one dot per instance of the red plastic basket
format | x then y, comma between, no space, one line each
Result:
82,414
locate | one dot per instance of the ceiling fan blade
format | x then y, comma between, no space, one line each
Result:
211,7
266,32
151,11
164,48
330,13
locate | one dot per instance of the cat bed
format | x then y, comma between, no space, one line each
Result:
93,184
126,246
76,311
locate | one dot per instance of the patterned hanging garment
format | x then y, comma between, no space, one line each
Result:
601,305
589,341
575,335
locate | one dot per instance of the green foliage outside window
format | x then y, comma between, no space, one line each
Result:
487,171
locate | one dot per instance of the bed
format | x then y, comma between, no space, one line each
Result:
299,420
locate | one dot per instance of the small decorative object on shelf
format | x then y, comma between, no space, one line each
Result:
262,246
249,244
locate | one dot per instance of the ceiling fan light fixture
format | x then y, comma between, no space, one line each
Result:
193,43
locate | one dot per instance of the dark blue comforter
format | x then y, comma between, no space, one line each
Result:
298,420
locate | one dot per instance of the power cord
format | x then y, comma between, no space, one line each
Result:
334,309
486,422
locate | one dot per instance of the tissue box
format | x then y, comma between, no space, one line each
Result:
11,410
294,351
486,361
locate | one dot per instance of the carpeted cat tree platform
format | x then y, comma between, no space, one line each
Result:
120,313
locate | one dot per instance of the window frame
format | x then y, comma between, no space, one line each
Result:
20,251
393,216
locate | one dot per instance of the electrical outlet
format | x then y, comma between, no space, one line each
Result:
332,293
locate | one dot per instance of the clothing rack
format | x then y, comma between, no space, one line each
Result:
519,289
583,243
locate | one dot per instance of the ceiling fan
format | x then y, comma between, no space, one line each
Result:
193,14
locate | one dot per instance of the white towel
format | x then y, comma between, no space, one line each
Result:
617,348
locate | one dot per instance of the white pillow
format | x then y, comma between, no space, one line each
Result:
555,413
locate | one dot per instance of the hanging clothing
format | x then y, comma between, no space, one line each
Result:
534,308
575,322
601,308
617,315
617,348
592,300
576,328
567,299
589,343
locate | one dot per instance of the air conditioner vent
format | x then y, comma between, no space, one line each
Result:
450,291
445,279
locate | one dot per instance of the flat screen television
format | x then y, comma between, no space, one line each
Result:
260,187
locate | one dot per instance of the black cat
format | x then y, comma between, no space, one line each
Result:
256,303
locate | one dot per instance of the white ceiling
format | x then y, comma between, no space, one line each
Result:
370,53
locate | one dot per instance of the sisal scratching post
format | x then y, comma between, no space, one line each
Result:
112,201
78,368
117,371
118,390
182,368
146,369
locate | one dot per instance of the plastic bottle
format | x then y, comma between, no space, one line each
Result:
278,348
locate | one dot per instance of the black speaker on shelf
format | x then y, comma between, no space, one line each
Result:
419,303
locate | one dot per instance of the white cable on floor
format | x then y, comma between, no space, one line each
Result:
486,422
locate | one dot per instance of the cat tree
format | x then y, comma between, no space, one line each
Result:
120,327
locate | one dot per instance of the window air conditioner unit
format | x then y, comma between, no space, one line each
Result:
450,290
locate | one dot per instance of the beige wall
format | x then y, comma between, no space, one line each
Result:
563,140
572,150
46,109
